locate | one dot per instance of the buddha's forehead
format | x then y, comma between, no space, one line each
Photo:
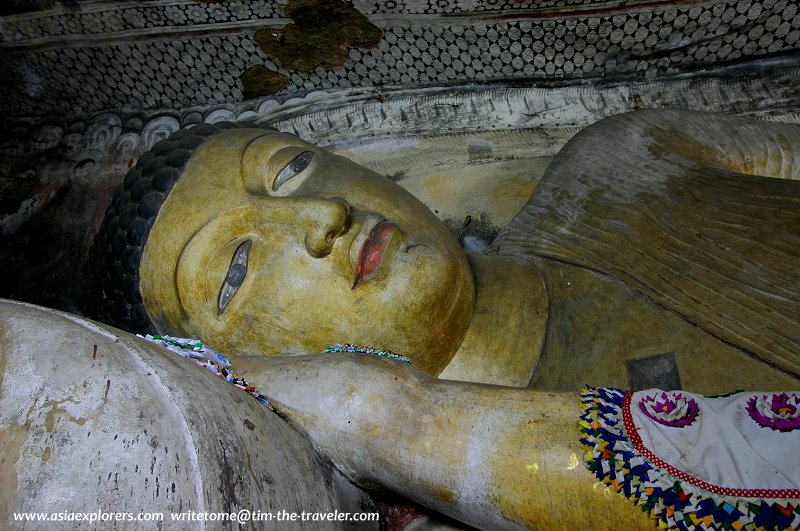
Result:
238,138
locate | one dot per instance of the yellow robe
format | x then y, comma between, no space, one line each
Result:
699,213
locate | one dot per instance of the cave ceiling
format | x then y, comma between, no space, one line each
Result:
60,57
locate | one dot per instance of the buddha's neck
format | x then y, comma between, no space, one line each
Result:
506,334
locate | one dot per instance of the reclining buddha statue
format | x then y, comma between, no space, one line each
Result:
652,234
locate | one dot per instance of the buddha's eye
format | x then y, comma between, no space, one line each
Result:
297,165
236,273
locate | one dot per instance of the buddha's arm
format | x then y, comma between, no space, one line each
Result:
493,457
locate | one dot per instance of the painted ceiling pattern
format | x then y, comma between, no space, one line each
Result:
176,54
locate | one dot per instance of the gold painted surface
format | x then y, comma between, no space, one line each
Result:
535,481
773,155
298,295
597,324
494,457
668,217
594,322
454,194
505,337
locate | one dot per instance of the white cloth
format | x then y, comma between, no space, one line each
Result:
724,445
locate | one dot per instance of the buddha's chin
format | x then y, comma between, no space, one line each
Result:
430,335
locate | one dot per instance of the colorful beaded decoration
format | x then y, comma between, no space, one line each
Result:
185,344
676,504
347,347
209,358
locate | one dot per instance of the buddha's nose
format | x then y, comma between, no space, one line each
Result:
330,218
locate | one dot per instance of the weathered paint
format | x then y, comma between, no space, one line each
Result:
165,435
489,456
258,80
320,31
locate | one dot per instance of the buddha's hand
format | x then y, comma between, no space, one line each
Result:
345,402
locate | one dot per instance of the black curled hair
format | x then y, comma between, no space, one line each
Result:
127,223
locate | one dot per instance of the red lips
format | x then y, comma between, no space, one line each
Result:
371,256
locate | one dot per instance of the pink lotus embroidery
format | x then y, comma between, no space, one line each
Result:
669,408
778,411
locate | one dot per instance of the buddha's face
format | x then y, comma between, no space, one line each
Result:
270,245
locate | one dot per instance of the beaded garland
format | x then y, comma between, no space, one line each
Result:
181,345
208,358
675,503
212,360
347,347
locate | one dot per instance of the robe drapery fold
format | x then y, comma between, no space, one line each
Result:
699,212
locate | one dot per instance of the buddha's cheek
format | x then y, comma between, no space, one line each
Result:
428,314
417,304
